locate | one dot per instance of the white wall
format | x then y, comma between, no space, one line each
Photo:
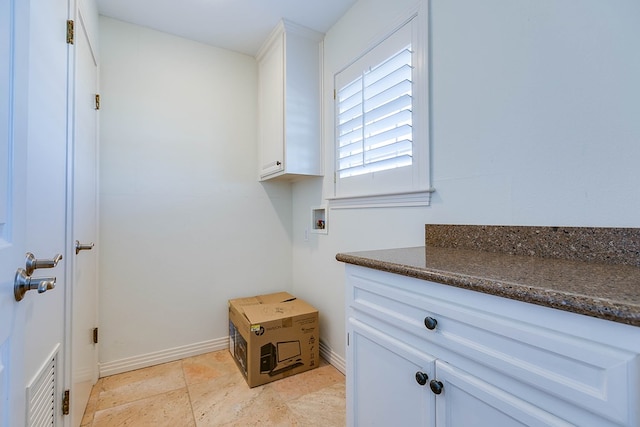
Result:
185,225
89,10
535,121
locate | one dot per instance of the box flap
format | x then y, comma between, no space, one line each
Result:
262,313
239,304
275,298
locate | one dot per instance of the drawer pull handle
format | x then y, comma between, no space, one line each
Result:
421,378
430,323
436,386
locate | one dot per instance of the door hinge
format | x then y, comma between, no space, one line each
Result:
97,101
65,403
334,94
334,178
95,335
347,340
70,31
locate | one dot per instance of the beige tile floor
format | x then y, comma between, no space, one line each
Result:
209,390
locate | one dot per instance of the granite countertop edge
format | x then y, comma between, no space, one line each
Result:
613,309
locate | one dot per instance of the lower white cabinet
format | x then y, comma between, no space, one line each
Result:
424,354
383,383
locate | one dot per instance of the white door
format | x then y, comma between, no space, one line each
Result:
33,146
468,401
388,383
84,358
12,191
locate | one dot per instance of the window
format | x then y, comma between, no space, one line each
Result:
375,119
381,119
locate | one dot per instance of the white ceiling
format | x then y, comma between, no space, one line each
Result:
238,25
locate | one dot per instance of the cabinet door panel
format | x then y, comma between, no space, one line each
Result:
289,76
271,109
382,388
468,401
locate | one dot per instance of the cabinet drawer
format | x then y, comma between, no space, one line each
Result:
549,350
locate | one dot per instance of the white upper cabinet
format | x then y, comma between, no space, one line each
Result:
289,103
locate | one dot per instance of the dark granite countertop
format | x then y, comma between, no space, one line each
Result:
608,291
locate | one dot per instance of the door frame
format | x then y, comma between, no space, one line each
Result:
77,12
69,251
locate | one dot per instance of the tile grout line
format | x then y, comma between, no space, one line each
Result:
184,377
284,396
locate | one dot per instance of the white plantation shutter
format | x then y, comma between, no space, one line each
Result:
375,118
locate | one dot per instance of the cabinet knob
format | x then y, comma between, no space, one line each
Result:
436,386
430,323
421,378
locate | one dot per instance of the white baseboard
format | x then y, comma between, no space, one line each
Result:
164,356
177,353
333,358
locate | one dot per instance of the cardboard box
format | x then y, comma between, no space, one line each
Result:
273,336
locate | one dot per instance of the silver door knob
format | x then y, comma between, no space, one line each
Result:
32,263
81,247
23,283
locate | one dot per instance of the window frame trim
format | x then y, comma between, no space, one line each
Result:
386,200
420,192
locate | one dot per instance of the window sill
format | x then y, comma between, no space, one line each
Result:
406,199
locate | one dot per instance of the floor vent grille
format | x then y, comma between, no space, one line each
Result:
41,395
